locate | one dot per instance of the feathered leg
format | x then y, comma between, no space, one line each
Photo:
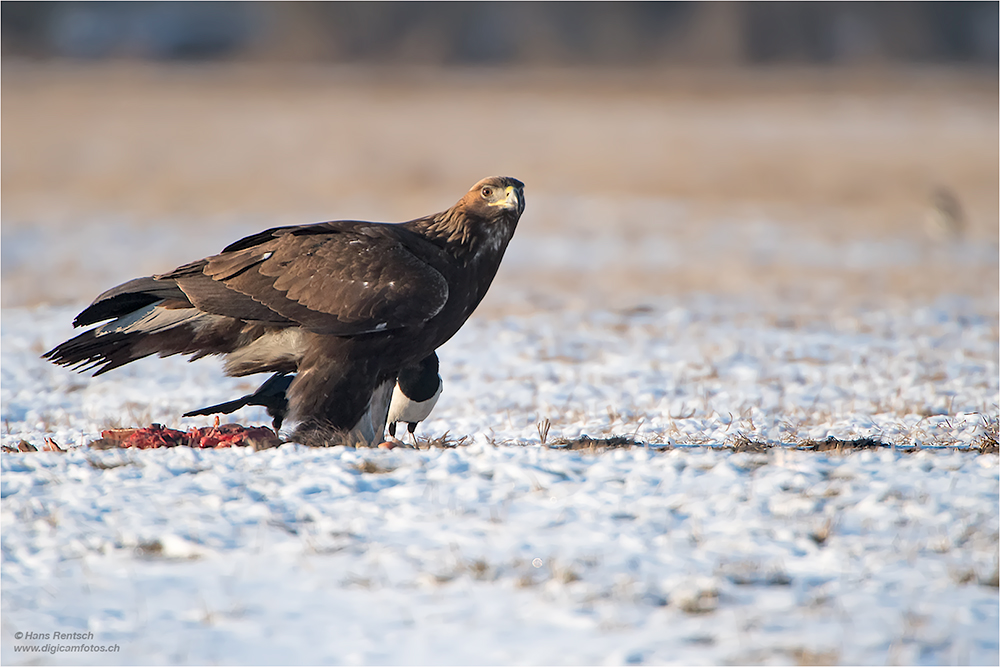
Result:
336,399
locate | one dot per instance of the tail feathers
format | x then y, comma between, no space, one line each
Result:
87,352
150,320
150,330
271,395
226,408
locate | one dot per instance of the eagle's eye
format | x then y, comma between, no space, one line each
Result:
487,192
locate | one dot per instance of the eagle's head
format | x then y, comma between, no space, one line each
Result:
492,208
481,223
495,195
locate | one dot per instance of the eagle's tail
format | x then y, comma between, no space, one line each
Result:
271,395
226,408
147,317
149,330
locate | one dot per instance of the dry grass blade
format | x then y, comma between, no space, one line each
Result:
543,430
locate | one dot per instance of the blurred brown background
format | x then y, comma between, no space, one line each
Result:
818,154
509,33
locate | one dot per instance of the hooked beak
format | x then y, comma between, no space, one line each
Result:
511,201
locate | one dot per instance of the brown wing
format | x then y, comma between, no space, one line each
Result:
358,278
214,297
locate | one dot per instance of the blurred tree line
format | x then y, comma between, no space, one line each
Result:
501,33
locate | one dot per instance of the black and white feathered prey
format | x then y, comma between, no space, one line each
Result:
344,305
414,396
416,393
272,395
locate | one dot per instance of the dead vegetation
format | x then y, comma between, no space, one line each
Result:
741,443
150,549
807,656
586,443
753,573
22,446
107,464
372,467
988,441
445,441
837,446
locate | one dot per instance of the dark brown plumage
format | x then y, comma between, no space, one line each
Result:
344,305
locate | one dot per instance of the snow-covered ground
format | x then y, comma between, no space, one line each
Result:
504,551
693,372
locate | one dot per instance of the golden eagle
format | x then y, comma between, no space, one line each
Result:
344,305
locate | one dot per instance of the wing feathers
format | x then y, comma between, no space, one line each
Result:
217,297
334,281
127,297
